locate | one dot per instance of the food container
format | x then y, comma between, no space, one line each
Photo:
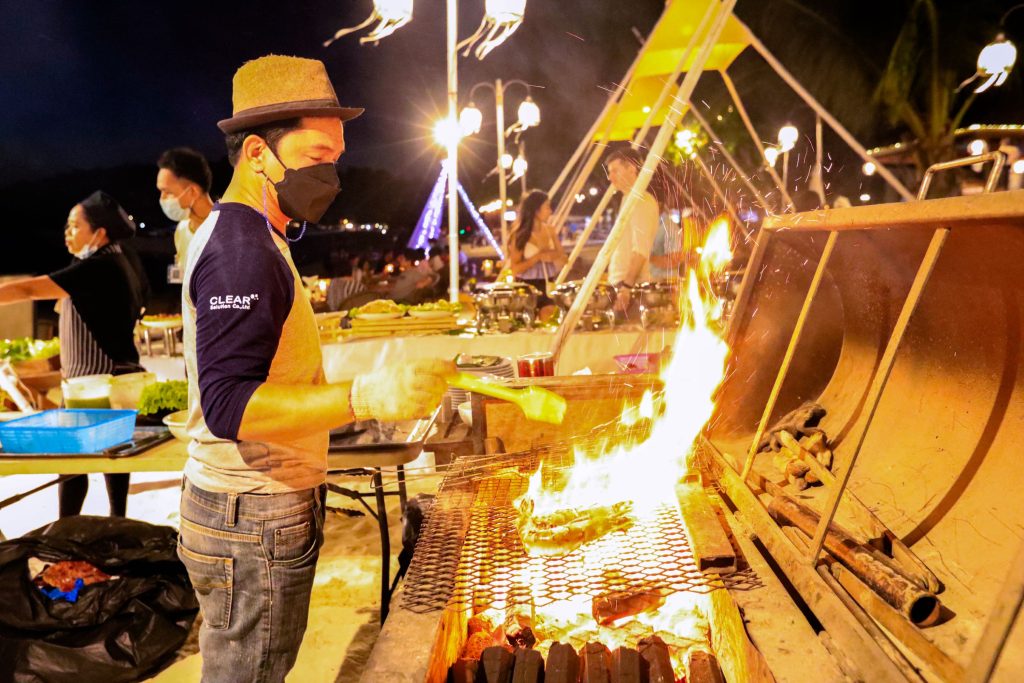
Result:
177,423
125,390
90,391
67,431
541,364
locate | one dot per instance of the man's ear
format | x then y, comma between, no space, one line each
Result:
253,148
101,233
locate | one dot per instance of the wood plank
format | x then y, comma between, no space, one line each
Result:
708,541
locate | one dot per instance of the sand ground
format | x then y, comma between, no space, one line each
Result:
344,610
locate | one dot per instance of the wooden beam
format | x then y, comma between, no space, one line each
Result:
996,209
709,544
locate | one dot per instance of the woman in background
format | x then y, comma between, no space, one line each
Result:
535,254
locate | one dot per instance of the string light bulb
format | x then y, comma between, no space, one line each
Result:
470,120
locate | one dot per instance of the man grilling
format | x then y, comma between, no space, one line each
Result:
252,505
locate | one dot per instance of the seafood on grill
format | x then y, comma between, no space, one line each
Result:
564,530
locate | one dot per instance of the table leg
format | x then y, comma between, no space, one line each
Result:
385,544
402,497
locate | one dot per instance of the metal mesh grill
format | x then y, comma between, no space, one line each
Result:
470,552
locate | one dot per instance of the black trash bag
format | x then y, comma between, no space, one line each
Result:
118,630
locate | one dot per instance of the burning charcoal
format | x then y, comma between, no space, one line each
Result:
495,666
597,663
478,623
563,665
529,667
519,630
477,643
614,606
463,671
702,667
797,468
626,667
658,664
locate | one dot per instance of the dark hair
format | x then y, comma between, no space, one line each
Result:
665,188
528,209
188,164
271,132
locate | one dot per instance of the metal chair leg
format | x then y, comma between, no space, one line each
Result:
385,544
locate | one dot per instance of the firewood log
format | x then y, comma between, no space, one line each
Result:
495,666
596,665
797,468
563,665
626,666
529,667
611,607
463,671
658,662
702,667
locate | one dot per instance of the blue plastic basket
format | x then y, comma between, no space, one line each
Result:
68,431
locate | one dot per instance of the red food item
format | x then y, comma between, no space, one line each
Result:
62,575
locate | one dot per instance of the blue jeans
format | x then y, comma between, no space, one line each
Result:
251,559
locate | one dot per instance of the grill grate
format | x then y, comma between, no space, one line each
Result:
470,552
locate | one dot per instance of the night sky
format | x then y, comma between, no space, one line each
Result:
93,91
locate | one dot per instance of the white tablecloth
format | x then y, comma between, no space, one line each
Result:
594,350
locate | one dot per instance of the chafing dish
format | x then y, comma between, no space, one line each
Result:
505,305
600,310
659,303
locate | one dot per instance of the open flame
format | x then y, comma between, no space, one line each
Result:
637,478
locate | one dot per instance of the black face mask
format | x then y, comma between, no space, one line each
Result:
305,193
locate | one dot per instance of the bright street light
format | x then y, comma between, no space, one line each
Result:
529,113
771,155
995,62
506,161
447,133
519,166
977,147
788,135
593,192
470,120
1018,167
869,168
865,197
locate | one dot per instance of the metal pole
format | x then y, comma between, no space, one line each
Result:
787,201
499,118
453,153
785,169
819,153
638,138
824,113
636,193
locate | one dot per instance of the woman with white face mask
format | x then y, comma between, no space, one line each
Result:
184,182
100,297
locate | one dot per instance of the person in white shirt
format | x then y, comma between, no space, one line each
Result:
184,182
630,262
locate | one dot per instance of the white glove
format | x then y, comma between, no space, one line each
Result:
405,391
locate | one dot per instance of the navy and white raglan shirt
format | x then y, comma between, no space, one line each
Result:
247,321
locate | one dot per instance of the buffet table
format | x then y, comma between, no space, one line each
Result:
594,350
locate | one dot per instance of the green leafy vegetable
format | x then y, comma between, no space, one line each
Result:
164,396
27,348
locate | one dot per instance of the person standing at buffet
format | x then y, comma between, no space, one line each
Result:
260,412
630,262
184,181
535,254
100,297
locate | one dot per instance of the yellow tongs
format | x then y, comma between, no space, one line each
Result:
536,403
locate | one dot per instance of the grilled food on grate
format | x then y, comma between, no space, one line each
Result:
562,531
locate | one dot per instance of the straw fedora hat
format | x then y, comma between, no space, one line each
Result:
275,88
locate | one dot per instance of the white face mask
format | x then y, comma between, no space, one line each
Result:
87,251
173,209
